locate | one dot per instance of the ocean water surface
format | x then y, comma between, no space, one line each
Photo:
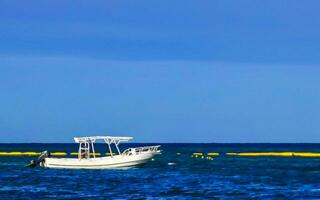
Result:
224,177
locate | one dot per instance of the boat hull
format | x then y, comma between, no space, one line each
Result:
117,161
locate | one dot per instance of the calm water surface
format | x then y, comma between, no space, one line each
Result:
225,177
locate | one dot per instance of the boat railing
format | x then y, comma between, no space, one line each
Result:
139,150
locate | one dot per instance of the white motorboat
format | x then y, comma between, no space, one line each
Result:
87,158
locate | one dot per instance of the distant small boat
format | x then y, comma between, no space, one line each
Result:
87,157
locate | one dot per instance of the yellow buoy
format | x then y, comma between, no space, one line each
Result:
279,154
213,154
306,154
10,153
16,153
284,154
31,153
58,153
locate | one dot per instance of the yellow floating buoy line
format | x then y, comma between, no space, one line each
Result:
304,154
208,156
58,153
16,153
211,155
276,154
201,155
258,154
284,154
197,155
29,153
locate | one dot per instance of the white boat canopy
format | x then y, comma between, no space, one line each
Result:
105,138
86,142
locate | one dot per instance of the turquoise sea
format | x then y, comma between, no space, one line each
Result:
224,177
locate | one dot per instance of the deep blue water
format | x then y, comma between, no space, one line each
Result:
225,177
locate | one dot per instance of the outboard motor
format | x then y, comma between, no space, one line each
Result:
40,159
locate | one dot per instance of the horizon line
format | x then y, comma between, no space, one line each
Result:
170,142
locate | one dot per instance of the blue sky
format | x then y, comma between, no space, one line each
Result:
165,71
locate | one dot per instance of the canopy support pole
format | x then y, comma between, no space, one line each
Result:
109,147
79,151
94,154
116,143
87,150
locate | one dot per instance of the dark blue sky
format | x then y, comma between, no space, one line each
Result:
165,71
